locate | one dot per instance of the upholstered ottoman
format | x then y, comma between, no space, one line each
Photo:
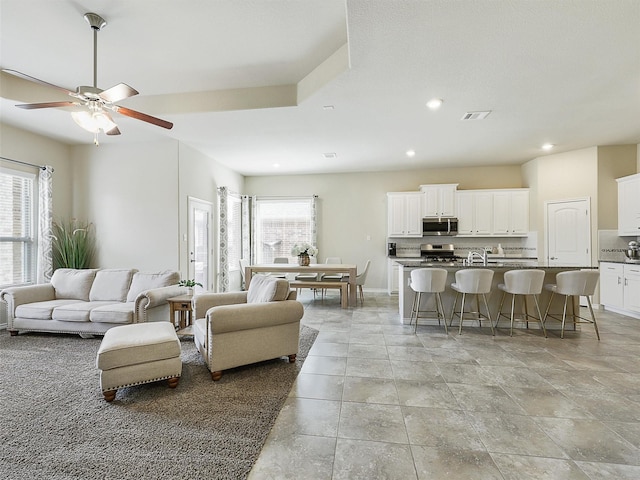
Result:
136,354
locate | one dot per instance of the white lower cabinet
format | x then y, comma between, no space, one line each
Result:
392,276
620,287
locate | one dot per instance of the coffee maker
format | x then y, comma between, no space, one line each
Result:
391,249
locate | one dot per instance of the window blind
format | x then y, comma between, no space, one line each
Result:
17,228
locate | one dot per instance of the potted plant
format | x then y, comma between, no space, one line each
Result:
73,244
190,284
303,251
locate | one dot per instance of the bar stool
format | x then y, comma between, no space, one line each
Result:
524,283
575,283
477,282
428,280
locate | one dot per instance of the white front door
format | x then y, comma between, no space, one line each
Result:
200,245
569,232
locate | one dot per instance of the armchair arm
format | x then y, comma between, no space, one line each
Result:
154,297
231,318
15,296
203,302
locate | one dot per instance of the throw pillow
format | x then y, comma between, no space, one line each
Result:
267,289
145,281
111,285
73,283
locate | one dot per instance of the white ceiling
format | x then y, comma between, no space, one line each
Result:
565,72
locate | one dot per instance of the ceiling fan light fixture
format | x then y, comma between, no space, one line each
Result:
94,122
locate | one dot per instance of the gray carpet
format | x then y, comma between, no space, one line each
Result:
54,423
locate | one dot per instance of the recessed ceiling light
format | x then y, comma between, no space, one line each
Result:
434,103
548,146
276,165
411,153
330,155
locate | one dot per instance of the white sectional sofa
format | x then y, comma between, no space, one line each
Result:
91,301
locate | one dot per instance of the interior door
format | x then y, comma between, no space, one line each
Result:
569,232
200,244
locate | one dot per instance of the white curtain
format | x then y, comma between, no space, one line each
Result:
223,268
45,222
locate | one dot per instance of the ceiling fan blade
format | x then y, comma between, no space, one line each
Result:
113,131
30,106
143,116
118,92
24,76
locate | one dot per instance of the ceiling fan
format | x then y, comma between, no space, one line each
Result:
95,103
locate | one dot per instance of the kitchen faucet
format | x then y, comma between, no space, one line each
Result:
482,256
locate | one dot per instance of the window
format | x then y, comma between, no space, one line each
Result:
234,228
17,228
279,224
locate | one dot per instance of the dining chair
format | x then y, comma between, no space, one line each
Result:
361,278
279,260
308,277
331,277
243,264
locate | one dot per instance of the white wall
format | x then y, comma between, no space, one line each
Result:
130,193
28,147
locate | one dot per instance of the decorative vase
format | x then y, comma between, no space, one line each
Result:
189,290
304,260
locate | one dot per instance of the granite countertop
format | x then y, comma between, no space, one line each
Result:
502,264
620,261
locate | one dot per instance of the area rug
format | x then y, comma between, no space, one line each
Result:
54,423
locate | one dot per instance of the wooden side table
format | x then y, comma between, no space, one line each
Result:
181,305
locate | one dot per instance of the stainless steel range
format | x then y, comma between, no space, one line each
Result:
441,253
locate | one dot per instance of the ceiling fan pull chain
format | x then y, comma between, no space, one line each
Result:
95,139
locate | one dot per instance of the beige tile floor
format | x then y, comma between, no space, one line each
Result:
376,401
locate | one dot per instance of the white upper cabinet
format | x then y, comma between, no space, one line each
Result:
404,210
629,206
511,212
493,213
439,200
474,212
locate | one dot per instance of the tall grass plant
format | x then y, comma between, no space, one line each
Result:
73,244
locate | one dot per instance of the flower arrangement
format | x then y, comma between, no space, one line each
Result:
300,249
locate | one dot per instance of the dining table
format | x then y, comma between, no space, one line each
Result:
331,268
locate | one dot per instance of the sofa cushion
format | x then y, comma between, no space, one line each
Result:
111,285
76,312
41,310
145,281
113,313
73,283
267,289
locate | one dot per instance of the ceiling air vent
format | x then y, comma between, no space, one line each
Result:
330,155
475,115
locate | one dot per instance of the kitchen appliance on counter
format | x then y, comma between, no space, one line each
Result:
438,253
633,252
439,226
391,249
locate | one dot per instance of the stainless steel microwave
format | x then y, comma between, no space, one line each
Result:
439,226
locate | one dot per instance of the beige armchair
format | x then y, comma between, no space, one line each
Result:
240,328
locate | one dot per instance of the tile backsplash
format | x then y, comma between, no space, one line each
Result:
520,246
611,247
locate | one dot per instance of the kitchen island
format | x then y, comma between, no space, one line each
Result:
406,295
